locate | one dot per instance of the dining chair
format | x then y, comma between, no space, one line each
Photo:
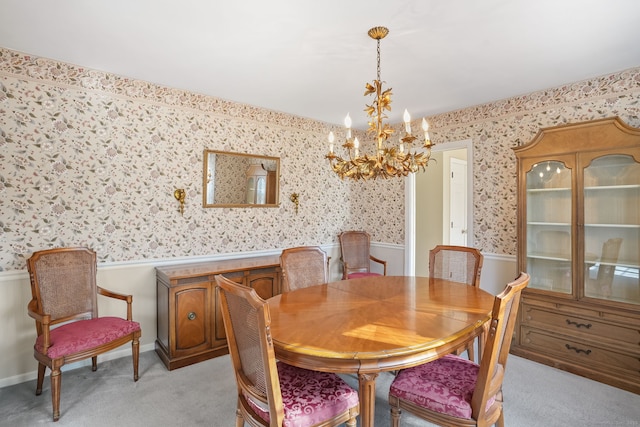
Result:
459,264
454,391
303,266
64,305
270,392
356,257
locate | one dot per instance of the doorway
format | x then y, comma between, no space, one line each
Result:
438,208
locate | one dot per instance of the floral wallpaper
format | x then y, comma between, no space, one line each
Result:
91,158
497,127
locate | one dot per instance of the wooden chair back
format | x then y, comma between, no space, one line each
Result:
63,284
303,266
246,321
457,263
494,358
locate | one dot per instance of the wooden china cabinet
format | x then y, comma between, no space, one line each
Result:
579,239
189,320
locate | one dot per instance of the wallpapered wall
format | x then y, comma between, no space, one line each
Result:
90,158
497,127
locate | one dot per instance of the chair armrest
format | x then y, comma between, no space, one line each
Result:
42,323
116,295
111,294
32,311
379,261
345,268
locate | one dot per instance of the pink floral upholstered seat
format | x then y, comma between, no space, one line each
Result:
309,397
85,334
273,393
454,391
445,385
359,275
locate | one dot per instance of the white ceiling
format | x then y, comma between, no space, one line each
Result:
313,58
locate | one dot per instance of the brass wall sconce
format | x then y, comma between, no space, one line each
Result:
295,198
180,195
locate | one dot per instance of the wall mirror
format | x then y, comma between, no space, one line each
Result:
240,180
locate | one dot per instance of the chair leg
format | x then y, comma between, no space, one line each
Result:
135,351
239,419
395,416
94,363
352,422
41,370
56,380
394,404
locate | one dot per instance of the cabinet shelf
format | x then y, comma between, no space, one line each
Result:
552,224
620,263
631,226
549,190
549,257
613,187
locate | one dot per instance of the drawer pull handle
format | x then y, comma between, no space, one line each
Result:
577,350
191,315
579,325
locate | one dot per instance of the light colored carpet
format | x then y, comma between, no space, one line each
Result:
204,395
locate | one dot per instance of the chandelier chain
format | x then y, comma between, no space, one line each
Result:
378,75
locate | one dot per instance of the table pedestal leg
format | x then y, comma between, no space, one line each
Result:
367,392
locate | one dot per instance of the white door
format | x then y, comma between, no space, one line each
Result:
458,202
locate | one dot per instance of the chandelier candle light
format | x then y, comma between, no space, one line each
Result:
389,160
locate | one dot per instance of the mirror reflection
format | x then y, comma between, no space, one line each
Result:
240,180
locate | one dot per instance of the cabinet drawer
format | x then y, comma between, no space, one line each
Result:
571,324
572,350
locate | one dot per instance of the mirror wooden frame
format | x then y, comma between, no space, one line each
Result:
228,170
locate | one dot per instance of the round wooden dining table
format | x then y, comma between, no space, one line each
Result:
374,324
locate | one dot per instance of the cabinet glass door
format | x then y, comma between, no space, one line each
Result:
612,229
549,226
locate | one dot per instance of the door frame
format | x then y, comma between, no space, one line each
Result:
410,204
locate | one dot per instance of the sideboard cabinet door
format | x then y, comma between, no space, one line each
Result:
192,319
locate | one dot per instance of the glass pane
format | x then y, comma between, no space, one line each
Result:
549,227
612,229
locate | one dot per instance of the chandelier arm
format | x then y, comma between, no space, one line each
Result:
388,161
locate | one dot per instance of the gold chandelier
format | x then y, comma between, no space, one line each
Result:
389,160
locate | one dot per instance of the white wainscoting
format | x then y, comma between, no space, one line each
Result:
17,334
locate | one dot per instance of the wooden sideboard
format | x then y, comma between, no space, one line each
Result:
189,322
